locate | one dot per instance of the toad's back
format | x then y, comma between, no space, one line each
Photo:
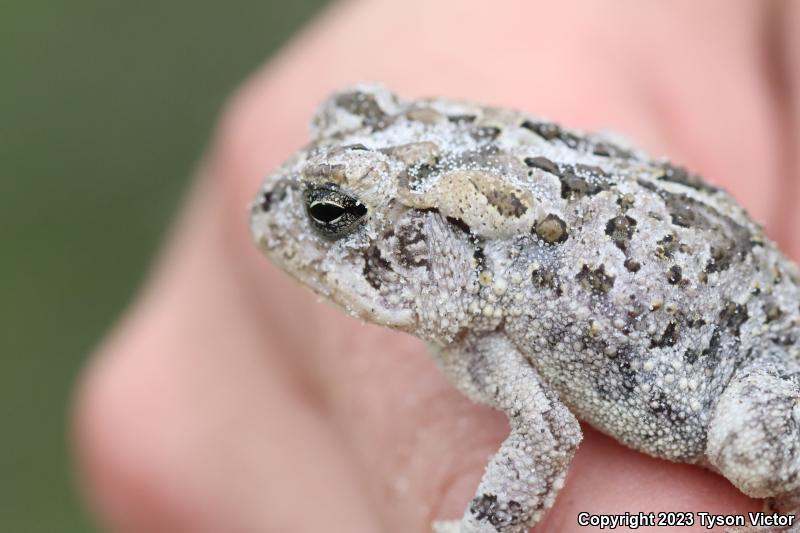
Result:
644,286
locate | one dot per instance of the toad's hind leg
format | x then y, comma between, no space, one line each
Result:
754,434
524,476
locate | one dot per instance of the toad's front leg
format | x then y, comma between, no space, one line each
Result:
524,476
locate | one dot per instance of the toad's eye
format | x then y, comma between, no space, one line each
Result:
333,213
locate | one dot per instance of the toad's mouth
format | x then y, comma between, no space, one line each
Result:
355,296
360,300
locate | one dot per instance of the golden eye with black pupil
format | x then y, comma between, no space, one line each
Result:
333,213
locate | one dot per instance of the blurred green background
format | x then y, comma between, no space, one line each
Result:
104,109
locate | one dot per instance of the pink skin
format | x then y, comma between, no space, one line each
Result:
227,399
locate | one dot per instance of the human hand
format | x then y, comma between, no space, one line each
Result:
227,399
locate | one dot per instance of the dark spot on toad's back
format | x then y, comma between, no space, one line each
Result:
591,171
729,240
667,246
485,133
669,337
684,210
422,170
578,181
772,311
674,275
723,253
545,130
732,317
553,132
365,106
696,322
621,229
546,278
507,203
632,265
684,216
607,149
552,230
542,163
634,310
595,279
460,119
676,174
572,140
626,201
714,346
691,355
476,158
